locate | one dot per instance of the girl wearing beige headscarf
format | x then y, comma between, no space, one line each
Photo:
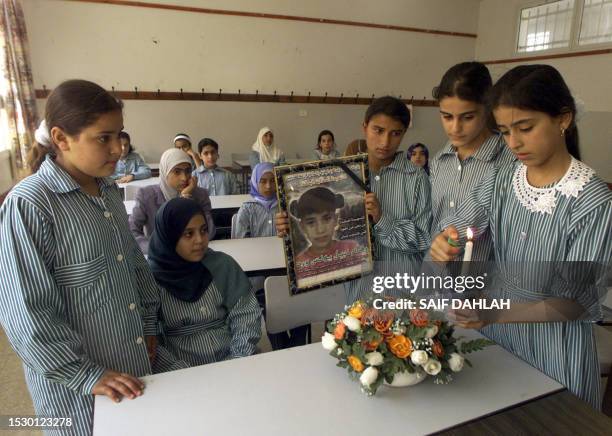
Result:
264,150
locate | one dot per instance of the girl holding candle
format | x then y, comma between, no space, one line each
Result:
473,150
550,218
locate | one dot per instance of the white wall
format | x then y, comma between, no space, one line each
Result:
589,78
126,46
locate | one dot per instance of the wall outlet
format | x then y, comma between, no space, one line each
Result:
303,113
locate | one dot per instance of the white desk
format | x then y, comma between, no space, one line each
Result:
153,166
129,206
129,189
228,201
243,163
300,391
253,254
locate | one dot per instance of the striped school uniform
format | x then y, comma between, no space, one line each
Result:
217,181
254,220
76,294
224,323
557,246
452,180
401,236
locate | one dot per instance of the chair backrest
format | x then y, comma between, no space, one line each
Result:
233,231
285,311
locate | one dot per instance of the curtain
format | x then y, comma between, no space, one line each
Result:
18,115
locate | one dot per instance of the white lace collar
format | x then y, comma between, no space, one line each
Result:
544,200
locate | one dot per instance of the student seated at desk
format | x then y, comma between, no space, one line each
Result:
216,180
255,220
264,150
174,180
208,311
130,165
182,141
326,146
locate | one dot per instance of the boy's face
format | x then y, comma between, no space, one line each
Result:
383,137
182,144
209,156
319,228
266,185
327,143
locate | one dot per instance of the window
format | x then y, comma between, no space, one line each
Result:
564,24
596,25
546,26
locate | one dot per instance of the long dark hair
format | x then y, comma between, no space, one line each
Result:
72,106
322,134
126,136
540,88
425,150
467,81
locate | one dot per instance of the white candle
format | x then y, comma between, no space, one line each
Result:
467,254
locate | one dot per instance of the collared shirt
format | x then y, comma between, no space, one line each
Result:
217,181
133,165
452,180
76,293
254,220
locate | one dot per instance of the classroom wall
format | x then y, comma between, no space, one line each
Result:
163,49
587,76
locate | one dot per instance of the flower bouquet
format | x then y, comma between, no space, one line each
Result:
398,348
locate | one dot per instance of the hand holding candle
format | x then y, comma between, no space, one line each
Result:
469,246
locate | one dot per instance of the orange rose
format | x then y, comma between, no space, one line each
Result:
419,318
437,348
356,311
339,331
400,345
368,315
373,344
388,335
383,321
355,363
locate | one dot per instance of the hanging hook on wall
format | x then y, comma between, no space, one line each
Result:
291,96
411,99
238,91
308,98
136,90
182,93
219,96
372,98
256,94
356,97
202,92
158,93
400,97
113,88
341,96
325,98
275,93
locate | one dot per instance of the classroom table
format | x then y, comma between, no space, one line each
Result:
129,206
300,391
245,172
228,202
256,256
154,169
129,189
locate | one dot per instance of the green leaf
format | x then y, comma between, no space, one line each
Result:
475,345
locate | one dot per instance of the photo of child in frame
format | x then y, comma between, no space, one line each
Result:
330,238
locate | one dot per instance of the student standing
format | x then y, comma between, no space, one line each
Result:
472,150
550,218
130,166
175,180
216,180
77,299
208,310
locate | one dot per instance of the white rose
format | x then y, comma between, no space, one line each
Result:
352,323
328,341
431,331
368,376
432,367
419,357
455,362
374,358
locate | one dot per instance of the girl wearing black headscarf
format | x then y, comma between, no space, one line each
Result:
208,311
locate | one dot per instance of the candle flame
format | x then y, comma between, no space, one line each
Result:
470,234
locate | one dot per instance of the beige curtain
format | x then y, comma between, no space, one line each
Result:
18,115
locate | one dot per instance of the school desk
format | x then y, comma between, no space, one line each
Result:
129,189
223,208
256,256
300,391
154,169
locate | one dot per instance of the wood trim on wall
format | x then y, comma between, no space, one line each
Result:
276,17
253,98
550,56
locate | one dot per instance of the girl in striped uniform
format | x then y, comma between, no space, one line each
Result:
399,204
550,218
77,299
208,311
472,150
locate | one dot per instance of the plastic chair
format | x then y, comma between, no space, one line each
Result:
284,311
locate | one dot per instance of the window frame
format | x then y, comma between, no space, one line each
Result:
574,36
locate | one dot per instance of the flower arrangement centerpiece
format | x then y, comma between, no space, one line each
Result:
398,348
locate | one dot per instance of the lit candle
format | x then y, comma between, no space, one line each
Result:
467,254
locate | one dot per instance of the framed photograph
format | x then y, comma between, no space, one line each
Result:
330,239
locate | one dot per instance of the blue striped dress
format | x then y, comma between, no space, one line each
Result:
452,180
76,294
561,254
254,220
401,236
225,323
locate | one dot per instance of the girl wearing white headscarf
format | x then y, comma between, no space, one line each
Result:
175,180
264,150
